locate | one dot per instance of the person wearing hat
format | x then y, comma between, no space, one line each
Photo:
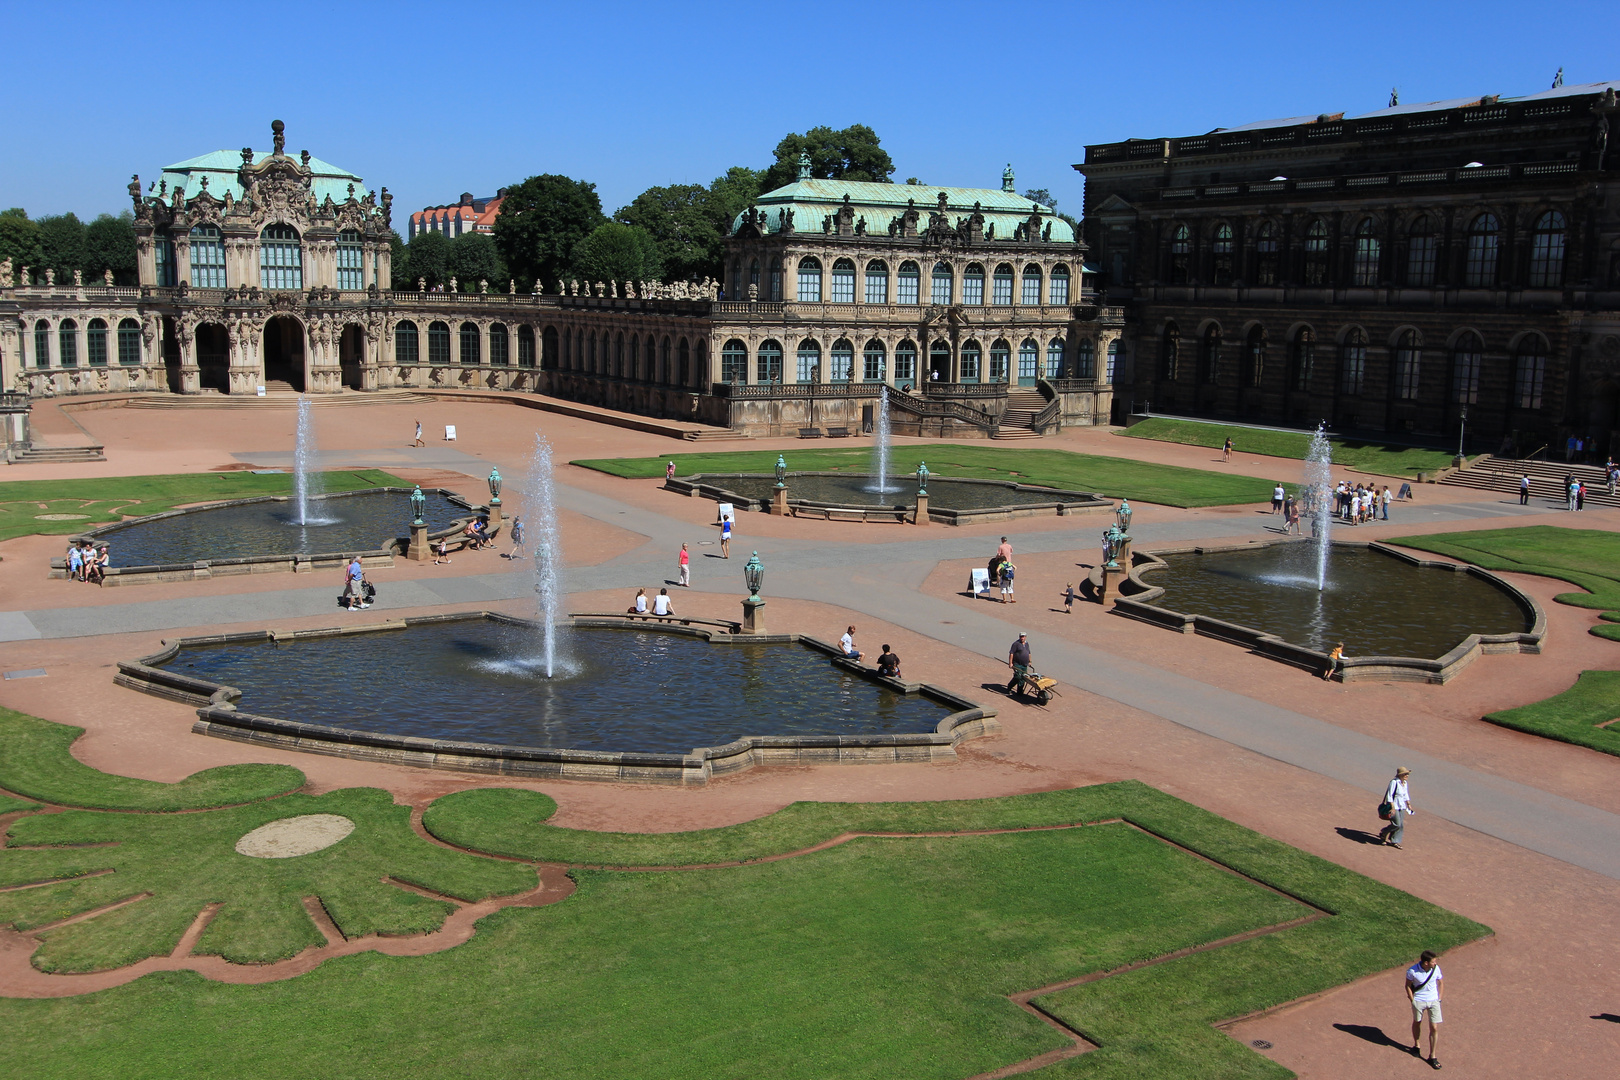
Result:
1398,798
1018,660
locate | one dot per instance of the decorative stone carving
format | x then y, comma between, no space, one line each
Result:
78,279
483,287
50,277
106,277
6,281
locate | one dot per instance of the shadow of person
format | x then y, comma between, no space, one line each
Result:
1359,836
995,688
1610,1017
1374,1035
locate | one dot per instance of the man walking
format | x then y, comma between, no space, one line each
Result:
351,589
1425,986
517,539
419,441
1018,658
1524,490
686,568
1397,796
1278,493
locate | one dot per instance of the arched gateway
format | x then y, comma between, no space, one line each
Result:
284,352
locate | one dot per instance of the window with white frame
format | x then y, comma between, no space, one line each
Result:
734,362
1085,360
1000,360
970,361
973,285
940,285
163,252
905,361
1032,286
1001,286
809,281
1029,357
281,258
1054,358
1058,290
769,362
207,258
351,261
872,357
1113,362
843,282
909,284
809,369
877,282
842,361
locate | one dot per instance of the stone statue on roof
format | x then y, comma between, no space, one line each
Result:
278,137
135,191
6,280
107,278
804,165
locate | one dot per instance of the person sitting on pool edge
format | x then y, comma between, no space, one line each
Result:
888,664
661,604
640,606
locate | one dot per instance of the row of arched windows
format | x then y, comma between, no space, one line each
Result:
943,285
873,362
1463,359
281,259
1481,259
408,344
128,343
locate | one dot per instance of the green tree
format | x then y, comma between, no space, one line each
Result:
1044,197
474,258
399,262
850,154
62,237
19,241
689,222
541,222
109,244
731,194
617,252
430,259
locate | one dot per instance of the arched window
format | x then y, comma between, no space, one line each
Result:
67,343
1000,360
1547,252
908,287
940,285
469,343
95,343
1316,253
770,362
842,367
1304,357
1421,249
939,360
207,258
776,279
1254,357
406,344
649,359
163,256
129,342
1054,358
872,357
1408,365
877,282
973,285
1001,286
1032,286
1029,358
593,359
1265,254
281,258
1364,268
736,282
809,280
1353,363
1484,244
351,261
1467,357
972,356
1113,362
734,362
439,343
843,282
1209,354
550,349
753,277
1180,251
905,361
1170,352
1530,370
1058,291
525,337
1085,360
666,371
632,359
618,355
1220,254
42,344
684,375
809,369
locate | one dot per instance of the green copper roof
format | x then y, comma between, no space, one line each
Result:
221,166
812,200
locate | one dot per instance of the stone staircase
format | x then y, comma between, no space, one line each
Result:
1022,405
56,455
1492,473
278,395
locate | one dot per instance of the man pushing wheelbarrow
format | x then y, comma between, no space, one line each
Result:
1027,682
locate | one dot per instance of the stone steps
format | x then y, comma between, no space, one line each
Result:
42,455
274,399
1491,473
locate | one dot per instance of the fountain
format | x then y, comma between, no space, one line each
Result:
880,448
540,500
1319,483
307,480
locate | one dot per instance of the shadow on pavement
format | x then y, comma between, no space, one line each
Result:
1374,1035
1359,836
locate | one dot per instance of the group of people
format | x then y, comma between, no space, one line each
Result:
87,562
888,661
1359,505
1002,571
661,604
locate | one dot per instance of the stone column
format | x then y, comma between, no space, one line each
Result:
182,257
419,543
921,515
753,620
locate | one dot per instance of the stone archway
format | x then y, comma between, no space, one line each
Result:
212,345
352,355
284,358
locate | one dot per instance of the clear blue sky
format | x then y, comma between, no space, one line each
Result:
433,100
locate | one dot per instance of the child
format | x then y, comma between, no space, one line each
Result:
443,553
1007,569
1068,599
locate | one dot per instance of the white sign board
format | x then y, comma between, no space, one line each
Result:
261,391
979,581
449,433
728,512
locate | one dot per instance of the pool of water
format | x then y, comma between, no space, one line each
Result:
1378,605
624,690
362,521
857,490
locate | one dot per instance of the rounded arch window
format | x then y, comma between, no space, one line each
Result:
842,357
1353,362
500,344
939,362
1265,254
734,362
438,343
908,286
972,357
1408,365
1304,357
207,258
877,282
809,361
525,338
351,261
95,343
1209,354
1085,359
770,361
809,280
1529,371
281,258
1421,250
129,342
1032,286
1364,264
1220,254
469,343
843,282
1113,362
1170,352
1484,245
1001,286
1000,360
1467,358
905,362
67,333
406,343
872,361
1547,252
1180,254
973,285
1058,290
1316,253
1054,358
1029,359
940,284
1254,356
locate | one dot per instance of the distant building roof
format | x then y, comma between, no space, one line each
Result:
220,166
1430,106
811,200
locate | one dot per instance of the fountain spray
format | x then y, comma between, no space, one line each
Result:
1319,475
880,447
307,479
540,502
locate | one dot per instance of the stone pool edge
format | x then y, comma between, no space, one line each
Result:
1138,605
218,717
903,513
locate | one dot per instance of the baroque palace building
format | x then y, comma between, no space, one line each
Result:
1390,272
267,270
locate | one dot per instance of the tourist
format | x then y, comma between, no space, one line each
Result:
661,604
1226,450
441,554
1277,496
669,470
725,539
1007,583
354,574
1397,803
75,562
1573,491
1612,472
1569,448
847,643
1386,498
471,533
1005,550
419,441
1290,508
640,606
103,561
888,664
1425,986
517,539
1068,599
1334,662
1580,495
686,568
1018,658
1524,490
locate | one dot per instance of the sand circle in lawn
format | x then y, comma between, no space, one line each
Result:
61,517
290,837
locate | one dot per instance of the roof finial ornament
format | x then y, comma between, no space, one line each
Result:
277,129
1394,96
1007,179
804,165
1558,79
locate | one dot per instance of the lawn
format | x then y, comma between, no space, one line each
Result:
1167,485
53,507
1373,457
1586,557
882,956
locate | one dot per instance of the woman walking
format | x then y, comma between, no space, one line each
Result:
1398,805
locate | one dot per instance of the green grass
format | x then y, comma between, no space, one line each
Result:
103,500
36,763
877,958
1574,715
1370,457
1167,485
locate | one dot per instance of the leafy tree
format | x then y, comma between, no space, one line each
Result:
430,259
62,237
19,240
731,194
689,222
1042,196
109,244
474,258
850,154
541,222
617,252
399,262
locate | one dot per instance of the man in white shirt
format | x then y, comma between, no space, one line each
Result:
1277,496
1425,986
661,604
847,643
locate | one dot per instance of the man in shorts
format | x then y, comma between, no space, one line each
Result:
1425,986
847,644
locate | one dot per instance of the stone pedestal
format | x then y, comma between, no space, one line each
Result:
779,505
921,516
419,543
497,514
1108,584
753,620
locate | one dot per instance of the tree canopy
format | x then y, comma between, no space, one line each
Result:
541,222
688,222
109,244
19,240
853,153
474,258
62,237
617,252
429,261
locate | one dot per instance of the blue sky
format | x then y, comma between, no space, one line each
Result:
433,100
